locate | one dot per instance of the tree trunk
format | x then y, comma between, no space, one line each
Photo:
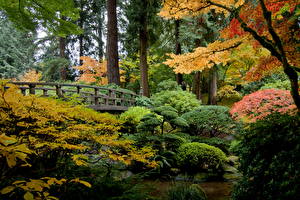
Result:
100,32
81,35
80,49
179,77
293,77
143,53
112,43
212,92
62,54
197,85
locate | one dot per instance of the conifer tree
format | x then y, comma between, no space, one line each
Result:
16,50
141,15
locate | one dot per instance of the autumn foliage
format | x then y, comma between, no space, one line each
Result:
92,71
262,103
31,76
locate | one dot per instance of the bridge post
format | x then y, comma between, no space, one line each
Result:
78,89
96,96
58,91
23,90
45,92
31,89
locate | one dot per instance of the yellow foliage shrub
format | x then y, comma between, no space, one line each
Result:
40,133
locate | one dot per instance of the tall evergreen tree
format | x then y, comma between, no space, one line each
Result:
141,15
17,50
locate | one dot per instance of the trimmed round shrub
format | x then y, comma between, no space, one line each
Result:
269,159
182,101
195,156
186,192
210,121
132,117
222,144
262,103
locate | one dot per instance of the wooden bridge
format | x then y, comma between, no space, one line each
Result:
95,97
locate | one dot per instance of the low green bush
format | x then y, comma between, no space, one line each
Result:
193,157
182,101
132,118
211,121
186,192
269,156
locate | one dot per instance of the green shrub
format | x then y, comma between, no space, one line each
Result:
186,136
165,116
194,156
149,123
143,101
173,142
216,142
234,146
182,101
269,155
210,121
282,85
52,69
132,117
168,85
186,192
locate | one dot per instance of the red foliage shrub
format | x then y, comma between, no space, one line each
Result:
262,103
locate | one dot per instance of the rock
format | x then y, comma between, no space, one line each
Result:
230,169
232,177
233,160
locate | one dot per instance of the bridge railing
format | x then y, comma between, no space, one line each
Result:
98,98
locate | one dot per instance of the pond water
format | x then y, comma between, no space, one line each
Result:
214,190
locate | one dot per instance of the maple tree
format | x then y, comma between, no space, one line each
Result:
93,71
271,24
31,76
262,103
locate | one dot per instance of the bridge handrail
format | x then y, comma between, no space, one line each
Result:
71,85
112,99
